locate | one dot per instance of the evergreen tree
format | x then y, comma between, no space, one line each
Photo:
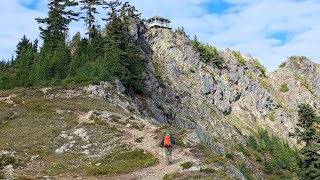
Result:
23,43
113,7
59,17
89,6
181,31
52,63
96,48
307,129
128,65
307,133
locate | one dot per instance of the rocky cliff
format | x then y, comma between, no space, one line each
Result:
221,105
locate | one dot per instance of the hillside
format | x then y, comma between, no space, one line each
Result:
53,133
96,107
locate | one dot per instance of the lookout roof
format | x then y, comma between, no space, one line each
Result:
159,17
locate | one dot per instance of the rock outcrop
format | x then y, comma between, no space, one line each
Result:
220,105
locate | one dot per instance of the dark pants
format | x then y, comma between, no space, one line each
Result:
168,153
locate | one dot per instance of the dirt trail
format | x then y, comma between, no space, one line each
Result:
150,144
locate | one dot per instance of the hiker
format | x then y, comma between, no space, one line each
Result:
168,142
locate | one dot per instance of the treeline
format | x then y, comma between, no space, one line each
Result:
84,60
278,159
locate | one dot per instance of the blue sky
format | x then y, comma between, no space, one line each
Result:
32,4
269,30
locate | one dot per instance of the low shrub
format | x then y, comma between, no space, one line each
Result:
186,165
6,160
272,116
282,65
249,74
284,87
241,60
192,69
208,53
264,83
256,64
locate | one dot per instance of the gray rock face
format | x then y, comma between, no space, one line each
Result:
223,103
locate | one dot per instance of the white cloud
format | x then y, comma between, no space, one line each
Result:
16,22
247,26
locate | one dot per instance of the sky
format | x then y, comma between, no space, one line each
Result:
269,30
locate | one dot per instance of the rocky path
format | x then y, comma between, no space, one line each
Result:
150,144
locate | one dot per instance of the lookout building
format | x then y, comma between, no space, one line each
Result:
158,22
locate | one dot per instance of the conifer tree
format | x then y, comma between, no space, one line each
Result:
52,63
89,6
307,133
59,17
307,119
23,43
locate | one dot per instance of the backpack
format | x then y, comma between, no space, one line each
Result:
167,141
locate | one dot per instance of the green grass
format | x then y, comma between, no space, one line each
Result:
245,171
202,174
122,162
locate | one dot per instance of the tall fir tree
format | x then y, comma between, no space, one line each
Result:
52,63
307,133
59,17
90,8
130,56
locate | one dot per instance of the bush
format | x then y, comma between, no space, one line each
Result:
284,87
208,53
6,160
257,65
208,171
267,167
192,69
258,158
253,142
264,83
282,65
272,116
230,155
249,74
186,165
241,60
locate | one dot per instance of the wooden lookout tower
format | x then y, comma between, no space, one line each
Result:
158,22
